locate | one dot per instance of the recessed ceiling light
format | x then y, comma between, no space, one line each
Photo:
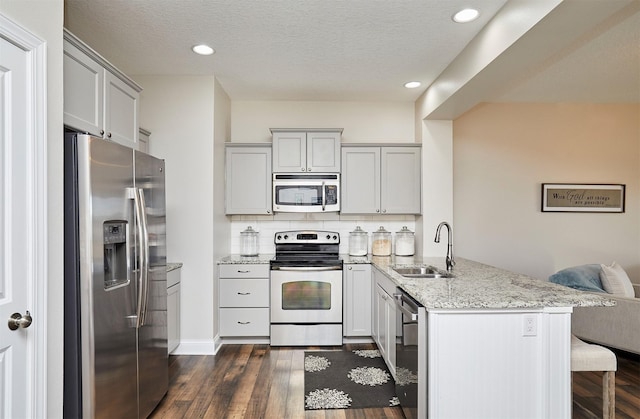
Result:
412,84
203,49
466,15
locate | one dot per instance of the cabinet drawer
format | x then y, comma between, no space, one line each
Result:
244,271
244,292
244,322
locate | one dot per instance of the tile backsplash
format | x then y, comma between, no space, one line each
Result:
268,229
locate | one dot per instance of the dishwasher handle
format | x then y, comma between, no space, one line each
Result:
400,298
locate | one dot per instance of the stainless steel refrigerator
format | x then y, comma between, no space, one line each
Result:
115,315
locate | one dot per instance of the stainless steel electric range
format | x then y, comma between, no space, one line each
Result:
306,289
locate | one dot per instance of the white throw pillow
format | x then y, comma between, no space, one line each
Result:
615,281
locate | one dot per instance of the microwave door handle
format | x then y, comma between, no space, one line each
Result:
324,198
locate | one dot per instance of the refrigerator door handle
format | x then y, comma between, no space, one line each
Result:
145,256
138,199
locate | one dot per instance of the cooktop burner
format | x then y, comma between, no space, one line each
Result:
307,249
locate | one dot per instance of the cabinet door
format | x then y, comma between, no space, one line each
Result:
360,182
323,152
173,317
143,140
248,180
381,321
400,180
83,91
289,152
391,334
121,104
357,300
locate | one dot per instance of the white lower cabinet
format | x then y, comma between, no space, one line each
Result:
173,309
384,319
244,300
357,300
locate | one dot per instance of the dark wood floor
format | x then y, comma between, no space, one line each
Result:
256,381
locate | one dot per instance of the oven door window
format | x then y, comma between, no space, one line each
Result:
306,295
298,195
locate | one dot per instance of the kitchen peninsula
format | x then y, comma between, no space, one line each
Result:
496,343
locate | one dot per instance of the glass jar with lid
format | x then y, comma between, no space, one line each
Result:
405,242
249,242
381,242
358,242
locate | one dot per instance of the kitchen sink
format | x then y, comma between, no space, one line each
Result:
423,272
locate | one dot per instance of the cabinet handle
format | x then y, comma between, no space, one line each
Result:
244,293
243,272
244,322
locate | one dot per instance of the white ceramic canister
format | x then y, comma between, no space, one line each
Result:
358,242
405,242
249,242
381,242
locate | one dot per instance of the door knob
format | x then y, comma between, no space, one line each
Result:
17,320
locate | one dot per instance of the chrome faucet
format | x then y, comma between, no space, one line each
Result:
449,260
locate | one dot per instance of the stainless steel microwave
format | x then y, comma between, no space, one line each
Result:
297,192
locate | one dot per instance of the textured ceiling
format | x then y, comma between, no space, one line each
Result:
286,49
342,50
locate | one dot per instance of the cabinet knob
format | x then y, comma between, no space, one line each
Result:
377,210
309,169
101,132
268,211
303,169
109,135
384,211
350,267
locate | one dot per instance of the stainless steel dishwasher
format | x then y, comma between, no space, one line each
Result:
411,356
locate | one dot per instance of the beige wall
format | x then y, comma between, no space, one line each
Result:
179,112
502,154
44,19
362,121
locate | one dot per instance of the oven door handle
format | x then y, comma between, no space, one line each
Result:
307,268
324,198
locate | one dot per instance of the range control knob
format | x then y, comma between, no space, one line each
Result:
286,237
278,237
328,236
335,237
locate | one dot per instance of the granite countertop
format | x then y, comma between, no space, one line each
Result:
477,285
173,266
233,259
474,286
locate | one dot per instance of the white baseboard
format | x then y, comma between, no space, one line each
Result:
196,347
362,339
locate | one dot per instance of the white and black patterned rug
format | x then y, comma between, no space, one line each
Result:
347,379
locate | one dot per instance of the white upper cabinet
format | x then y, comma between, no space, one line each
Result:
98,98
144,137
248,179
381,180
306,151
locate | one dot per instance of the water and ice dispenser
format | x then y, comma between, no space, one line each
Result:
115,253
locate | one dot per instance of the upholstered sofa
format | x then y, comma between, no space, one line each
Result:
616,327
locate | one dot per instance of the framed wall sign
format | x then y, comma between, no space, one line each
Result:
582,197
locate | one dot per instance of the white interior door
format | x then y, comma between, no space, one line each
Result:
20,230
